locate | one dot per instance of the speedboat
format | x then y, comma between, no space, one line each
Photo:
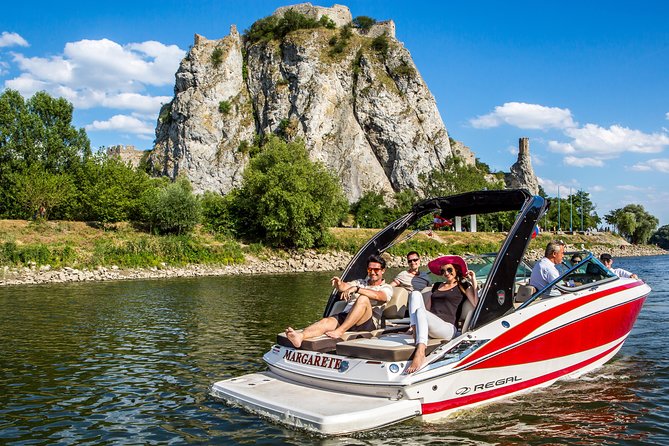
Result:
516,339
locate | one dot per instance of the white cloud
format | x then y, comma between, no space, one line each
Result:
560,147
12,39
658,164
667,116
525,116
591,145
615,140
102,73
551,187
597,188
580,161
123,123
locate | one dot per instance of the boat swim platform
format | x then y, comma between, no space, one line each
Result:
318,410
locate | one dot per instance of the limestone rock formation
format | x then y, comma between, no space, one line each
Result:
522,175
365,112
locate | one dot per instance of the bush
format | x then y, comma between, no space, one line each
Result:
272,27
172,209
370,211
286,199
224,107
363,23
380,44
218,213
217,57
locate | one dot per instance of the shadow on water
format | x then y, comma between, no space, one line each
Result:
132,363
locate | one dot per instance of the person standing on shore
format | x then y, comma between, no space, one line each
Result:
607,260
412,278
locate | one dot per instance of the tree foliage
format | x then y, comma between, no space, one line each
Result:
286,199
276,28
172,209
370,210
457,177
363,22
661,237
110,190
36,188
35,135
633,222
565,213
218,212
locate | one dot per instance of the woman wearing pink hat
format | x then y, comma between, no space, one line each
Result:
437,316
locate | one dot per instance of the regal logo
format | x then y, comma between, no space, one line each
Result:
315,360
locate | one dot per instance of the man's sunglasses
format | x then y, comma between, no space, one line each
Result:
412,260
374,270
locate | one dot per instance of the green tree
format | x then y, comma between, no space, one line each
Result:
661,237
458,177
286,199
35,189
172,209
633,222
218,212
109,190
363,22
370,210
37,132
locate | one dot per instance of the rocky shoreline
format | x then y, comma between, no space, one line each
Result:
294,263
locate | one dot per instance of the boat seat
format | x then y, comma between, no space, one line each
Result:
323,343
392,347
396,307
524,293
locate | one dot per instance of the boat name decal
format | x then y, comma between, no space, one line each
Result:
488,385
307,359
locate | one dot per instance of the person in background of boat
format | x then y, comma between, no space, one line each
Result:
545,271
437,317
413,278
576,258
607,260
365,301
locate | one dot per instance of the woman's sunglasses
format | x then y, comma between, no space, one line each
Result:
448,269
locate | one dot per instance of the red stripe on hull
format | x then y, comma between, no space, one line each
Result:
430,408
520,331
582,335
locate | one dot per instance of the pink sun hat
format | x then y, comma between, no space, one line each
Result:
436,264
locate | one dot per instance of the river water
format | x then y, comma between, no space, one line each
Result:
132,363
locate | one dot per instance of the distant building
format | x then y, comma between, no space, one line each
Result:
127,154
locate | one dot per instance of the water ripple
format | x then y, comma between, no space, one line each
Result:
132,363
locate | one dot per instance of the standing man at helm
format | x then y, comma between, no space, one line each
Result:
544,271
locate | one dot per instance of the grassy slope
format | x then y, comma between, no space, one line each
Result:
80,245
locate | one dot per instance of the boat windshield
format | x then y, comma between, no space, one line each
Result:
482,265
584,273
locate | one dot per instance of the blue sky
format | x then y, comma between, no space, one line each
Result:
587,82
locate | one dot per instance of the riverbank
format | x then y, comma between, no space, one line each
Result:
294,262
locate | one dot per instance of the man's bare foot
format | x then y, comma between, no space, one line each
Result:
418,359
295,337
335,334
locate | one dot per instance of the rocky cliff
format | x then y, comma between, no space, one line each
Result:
522,175
356,98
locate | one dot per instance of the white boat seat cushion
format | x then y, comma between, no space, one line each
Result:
389,347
